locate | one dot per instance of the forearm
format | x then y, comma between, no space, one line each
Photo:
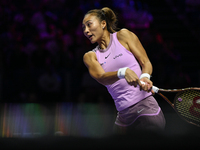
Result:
108,78
147,68
145,76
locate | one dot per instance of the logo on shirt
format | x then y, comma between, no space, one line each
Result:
102,63
117,56
107,56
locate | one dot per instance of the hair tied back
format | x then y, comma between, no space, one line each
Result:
104,15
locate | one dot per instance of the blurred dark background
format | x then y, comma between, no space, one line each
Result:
41,50
42,45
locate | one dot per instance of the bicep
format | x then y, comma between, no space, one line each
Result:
137,49
93,66
97,72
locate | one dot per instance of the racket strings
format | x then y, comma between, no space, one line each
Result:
187,104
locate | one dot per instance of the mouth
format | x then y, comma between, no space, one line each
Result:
90,36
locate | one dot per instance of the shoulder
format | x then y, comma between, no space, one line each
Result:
88,56
91,53
125,34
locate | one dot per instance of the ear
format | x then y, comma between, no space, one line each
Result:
103,24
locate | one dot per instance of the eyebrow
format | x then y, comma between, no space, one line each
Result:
87,21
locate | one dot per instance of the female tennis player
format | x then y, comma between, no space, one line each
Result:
114,63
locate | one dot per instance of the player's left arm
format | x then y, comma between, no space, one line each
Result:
133,44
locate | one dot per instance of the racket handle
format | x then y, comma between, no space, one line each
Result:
154,88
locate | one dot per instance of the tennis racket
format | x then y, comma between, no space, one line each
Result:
186,102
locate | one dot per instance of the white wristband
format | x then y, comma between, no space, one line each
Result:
121,72
145,75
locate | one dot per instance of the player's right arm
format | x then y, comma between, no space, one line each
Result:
96,71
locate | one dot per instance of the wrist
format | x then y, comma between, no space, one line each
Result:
145,75
121,72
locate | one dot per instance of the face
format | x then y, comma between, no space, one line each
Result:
92,28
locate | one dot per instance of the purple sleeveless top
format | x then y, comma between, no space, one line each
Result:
114,57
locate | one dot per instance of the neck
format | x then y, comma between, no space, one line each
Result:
105,40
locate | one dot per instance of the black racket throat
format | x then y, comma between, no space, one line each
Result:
164,97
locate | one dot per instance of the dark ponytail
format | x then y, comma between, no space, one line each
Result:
108,15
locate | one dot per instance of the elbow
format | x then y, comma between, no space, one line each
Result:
144,62
101,80
147,66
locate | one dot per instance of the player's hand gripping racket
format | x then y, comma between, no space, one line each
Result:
186,102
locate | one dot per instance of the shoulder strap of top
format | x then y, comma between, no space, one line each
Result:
95,49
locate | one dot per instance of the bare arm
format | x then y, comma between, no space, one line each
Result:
131,42
140,53
97,72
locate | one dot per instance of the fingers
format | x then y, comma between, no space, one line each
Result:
131,78
133,82
146,85
143,85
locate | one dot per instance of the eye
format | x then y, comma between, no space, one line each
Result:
89,24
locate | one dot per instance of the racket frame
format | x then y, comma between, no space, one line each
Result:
172,104
159,90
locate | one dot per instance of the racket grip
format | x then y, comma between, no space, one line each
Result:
154,88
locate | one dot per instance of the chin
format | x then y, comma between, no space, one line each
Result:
93,42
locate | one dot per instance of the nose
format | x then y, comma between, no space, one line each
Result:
86,31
